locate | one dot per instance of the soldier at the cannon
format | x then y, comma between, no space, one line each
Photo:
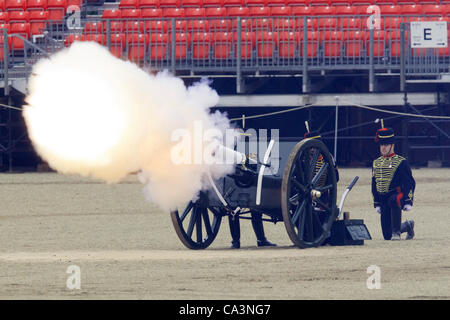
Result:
257,224
392,188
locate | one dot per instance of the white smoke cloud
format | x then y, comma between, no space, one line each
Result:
90,113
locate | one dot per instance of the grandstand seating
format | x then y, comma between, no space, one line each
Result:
207,29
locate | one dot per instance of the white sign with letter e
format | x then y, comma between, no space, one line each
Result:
429,34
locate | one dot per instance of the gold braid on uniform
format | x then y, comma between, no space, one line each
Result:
384,170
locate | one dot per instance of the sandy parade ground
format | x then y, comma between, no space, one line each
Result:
126,248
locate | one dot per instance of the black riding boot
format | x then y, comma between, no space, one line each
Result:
258,227
235,230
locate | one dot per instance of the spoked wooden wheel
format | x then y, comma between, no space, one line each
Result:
308,193
198,224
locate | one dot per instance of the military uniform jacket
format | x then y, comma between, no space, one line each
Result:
392,175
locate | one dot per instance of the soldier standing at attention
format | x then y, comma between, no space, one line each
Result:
392,188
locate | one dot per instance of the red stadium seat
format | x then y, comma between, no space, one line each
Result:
198,25
19,16
433,9
413,9
56,9
4,17
393,9
38,21
311,23
158,38
133,26
345,10
331,35
332,49
324,11
180,25
378,48
258,3
77,3
238,12
282,11
173,12
192,3
115,26
222,45
352,23
265,42
295,3
156,26
353,49
4,26
93,27
137,45
327,23
129,4
262,24
223,25
233,3
259,11
112,14
302,11
118,44
151,13
148,4
2,5
40,5
216,12
22,29
12,5
288,42
194,12
72,38
131,13
406,2
284,24
248,41
362,2
182,45
276,3
201,45
341,3
99,38
319,2
212,3
169,3
392,22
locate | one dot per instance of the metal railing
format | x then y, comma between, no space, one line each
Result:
240,45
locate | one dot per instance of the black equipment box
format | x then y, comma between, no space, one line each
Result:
349,232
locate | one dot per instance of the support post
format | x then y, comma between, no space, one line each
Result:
371,65
108,34
239,88
336,129
402,58
305,86
172,51
6,61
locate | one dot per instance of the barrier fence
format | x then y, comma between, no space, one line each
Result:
237,45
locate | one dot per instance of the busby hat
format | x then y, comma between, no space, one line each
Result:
385,136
